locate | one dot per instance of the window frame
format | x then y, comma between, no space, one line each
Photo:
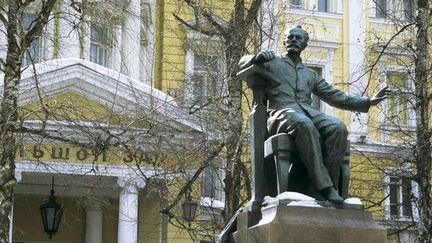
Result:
412,12
410,115
300,5
327,6
398,116
379,12
200,44
31,56
401,173
101,45
208,185
206,85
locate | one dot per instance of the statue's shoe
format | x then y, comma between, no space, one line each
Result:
332,196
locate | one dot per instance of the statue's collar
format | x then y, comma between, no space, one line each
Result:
288,60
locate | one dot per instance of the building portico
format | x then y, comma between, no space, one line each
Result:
92,197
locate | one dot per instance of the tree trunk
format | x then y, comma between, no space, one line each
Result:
235,43
17,42
233,131
423,149
9,107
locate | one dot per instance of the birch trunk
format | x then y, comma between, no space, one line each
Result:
17,42
422,94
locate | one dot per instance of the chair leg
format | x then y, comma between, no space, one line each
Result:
345,173
283,167
345,177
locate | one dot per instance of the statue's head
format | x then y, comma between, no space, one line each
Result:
296,40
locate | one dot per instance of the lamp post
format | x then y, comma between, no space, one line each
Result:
51,213
189,208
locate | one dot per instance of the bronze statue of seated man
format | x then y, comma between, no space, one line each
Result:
321,140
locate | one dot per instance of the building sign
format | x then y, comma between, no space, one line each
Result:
70,153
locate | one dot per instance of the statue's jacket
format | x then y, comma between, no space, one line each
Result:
298,83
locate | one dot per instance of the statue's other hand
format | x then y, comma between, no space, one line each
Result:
381,95
264,56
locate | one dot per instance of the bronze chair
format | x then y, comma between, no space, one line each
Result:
290,175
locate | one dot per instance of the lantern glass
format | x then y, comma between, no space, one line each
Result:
51,213
189,209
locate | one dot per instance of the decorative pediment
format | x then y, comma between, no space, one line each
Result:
105,87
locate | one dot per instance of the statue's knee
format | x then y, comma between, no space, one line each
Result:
306,128
305,124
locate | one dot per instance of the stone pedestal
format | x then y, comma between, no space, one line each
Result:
301,224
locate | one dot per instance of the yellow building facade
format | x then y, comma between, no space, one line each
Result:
136,70
114,149
359,47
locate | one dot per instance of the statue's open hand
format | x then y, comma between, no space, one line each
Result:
264,56
383,94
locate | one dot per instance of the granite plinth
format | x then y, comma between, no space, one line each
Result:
298,224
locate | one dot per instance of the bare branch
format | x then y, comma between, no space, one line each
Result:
253,12
41,20
2,64
197,173
198,10
27,2
382,52
3,19
192,27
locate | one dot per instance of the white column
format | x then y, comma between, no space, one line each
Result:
269,19
18,177
115,51
69,40
131,40
3,42
147,57
128,210
356,59
48,40
94,222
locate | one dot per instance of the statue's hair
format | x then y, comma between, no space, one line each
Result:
298,27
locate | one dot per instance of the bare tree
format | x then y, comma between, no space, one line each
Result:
143,132
405,117
17,43
422,96
234,35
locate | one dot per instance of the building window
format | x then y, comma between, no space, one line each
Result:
323,5
100,44
381,8
34,53
146,23
409,10
204,68
296,4
397,104
204,79
208,182
401,193
400,198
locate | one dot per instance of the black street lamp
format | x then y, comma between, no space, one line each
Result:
51,213
189,208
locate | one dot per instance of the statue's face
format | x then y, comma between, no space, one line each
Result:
296,40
